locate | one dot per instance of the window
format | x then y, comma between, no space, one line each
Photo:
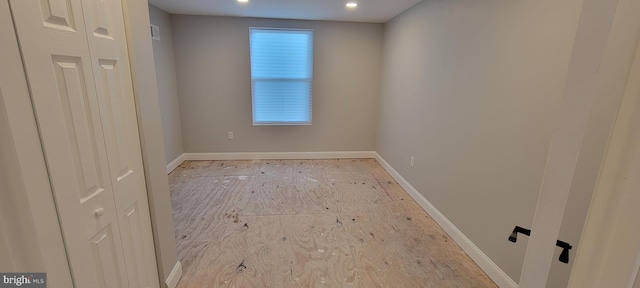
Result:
281,76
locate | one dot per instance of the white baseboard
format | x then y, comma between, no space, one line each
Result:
175,163
279,155
486,264
174,276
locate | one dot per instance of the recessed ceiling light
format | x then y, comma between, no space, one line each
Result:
352,4
243,1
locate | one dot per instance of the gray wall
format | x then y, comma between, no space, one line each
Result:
471,89
213,72
167,85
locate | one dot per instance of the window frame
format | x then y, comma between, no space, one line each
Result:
278,79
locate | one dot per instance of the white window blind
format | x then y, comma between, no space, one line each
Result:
281,76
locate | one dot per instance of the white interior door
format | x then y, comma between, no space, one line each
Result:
76,61
110,62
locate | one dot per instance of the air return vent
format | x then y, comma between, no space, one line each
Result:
155,32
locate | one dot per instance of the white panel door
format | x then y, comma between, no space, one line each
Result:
58,65
76,62
110,62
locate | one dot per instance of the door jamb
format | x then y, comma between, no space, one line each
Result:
610,245
604,46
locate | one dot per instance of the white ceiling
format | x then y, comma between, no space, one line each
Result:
378,11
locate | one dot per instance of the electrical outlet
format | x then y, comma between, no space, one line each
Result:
413,160
230,135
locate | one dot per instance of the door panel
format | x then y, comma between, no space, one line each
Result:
113,118
100,23
80,115
57,14
103,248
110,63
27,206
133,238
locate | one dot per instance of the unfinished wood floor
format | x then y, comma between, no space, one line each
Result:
310,223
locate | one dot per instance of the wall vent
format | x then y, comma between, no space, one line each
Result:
155,32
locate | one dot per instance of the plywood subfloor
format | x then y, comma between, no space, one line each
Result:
309,223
